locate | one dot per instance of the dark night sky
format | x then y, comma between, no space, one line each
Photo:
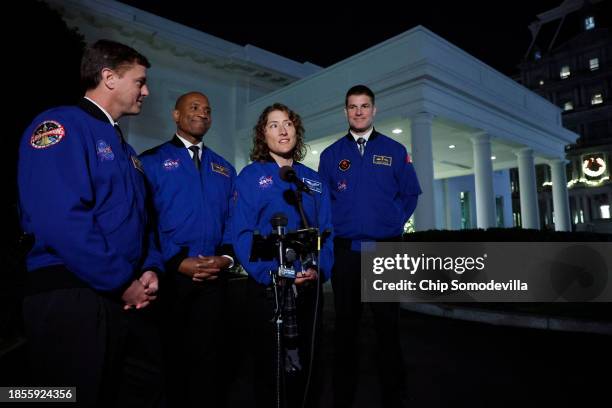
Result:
493,31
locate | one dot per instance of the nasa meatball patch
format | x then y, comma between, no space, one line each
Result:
265,182
104,151
47,134
171,164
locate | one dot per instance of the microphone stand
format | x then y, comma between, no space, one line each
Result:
281,245
279,286
298,195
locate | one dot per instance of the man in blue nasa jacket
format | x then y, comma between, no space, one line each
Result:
374,191
191,188
82,197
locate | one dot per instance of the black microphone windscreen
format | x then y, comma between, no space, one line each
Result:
278,220
287,173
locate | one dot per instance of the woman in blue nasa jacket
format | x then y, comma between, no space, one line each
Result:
260,193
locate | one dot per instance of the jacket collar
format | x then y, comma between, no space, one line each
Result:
176,142
373,136
91,108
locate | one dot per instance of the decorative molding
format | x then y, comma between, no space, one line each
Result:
172,43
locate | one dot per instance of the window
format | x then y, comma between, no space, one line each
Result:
594,64
499,207
464,199
589,23
516,219
565,72
597,98
605,211
568,106
576,217
537,55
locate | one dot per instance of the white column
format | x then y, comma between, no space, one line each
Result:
528,191
563,220
422,158
483,178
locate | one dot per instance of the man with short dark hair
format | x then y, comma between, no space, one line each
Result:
91,268
374,191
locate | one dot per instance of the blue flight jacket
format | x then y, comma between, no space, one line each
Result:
82,196
372,196
259,195
191,207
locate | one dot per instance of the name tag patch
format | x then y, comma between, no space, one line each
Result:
312,184
382,160
217,168
137,164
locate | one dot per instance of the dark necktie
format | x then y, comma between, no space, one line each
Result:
361,144
196,155
119,132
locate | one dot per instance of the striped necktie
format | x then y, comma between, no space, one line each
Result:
361,144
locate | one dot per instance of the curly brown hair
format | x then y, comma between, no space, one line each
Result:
260,151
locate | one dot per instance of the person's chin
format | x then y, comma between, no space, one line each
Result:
135,109
198,130
284,153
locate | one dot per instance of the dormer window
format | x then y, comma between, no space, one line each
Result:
589,23
565,72
597,98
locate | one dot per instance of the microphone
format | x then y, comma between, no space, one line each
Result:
279,222
288,174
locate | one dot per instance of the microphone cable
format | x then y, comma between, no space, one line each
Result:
319,289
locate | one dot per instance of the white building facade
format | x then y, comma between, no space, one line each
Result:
463,123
